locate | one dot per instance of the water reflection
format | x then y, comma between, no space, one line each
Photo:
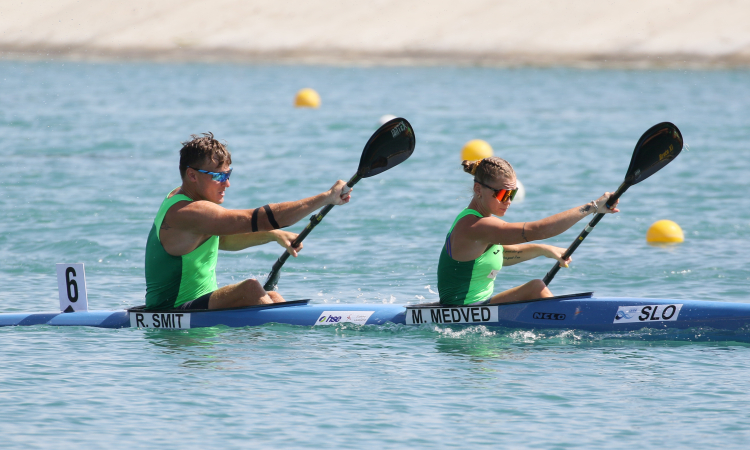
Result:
204,347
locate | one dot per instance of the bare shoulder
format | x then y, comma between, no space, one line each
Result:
492,230
486,222
185,214
472,225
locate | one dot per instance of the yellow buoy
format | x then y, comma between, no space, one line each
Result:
307,98
664,232
475,150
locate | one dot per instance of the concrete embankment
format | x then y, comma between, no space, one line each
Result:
631,33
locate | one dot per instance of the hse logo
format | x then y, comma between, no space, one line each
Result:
398,129
647,313
548,316
465,314
330,319
334,317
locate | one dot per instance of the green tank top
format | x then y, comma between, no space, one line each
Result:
174,280
464,282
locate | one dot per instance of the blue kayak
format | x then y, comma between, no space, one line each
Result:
577,311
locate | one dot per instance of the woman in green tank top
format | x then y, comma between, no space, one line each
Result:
478,244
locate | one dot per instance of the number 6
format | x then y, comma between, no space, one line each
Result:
71,284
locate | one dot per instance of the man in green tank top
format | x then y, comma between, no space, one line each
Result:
191,227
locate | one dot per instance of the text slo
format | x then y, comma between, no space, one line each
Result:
647,313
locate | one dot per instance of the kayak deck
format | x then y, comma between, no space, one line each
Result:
576,311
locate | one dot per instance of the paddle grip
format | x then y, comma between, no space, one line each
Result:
586,231
315,219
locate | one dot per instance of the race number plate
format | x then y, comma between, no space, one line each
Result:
173,321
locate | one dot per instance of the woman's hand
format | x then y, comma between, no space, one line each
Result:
601,204
556,253
285,239
339,193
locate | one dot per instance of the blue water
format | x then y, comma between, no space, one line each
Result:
90,150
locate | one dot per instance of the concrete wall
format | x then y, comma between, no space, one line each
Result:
496,32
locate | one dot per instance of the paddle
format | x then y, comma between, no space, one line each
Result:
388,147
655,149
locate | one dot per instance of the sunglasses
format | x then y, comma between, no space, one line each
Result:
216,176
501,195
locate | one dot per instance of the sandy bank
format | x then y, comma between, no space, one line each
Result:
494,32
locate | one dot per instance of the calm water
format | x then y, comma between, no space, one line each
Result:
90,150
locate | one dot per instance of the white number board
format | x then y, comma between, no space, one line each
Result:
71,285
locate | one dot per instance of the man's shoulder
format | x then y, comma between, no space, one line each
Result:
186,214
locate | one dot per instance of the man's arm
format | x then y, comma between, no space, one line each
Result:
210,219
242,241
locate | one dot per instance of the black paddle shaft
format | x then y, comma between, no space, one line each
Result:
589,228
388,147
656,148
315,219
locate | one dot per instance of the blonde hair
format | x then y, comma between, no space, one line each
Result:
489,169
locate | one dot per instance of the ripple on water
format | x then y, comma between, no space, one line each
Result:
92,151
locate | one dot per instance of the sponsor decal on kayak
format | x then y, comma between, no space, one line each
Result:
647,313
334,317
465,314
548,316
174,321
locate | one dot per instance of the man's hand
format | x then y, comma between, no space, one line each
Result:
339,193
285,239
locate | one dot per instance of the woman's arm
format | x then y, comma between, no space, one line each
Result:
561,222
495,231
514,254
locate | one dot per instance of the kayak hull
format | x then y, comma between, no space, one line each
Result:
578,311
